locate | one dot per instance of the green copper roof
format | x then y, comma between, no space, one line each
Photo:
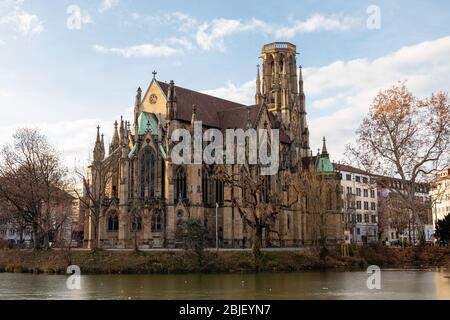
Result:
324,165
147,121
163,152
132,152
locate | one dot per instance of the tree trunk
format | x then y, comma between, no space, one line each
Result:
95,241
257,243
46,242
35,236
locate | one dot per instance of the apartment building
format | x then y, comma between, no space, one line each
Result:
440,195
397,225
360,204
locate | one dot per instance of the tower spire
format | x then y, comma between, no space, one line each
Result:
103,143
99,148
300,82
258,96
171,101
115,139
324,147
137,107
97,140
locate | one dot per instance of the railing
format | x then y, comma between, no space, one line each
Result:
279,45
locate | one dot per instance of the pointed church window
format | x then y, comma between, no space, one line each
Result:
148,168
180,185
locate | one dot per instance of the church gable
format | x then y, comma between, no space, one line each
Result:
155,100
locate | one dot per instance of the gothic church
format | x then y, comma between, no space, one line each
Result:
148,197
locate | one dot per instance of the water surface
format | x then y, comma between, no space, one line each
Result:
307,285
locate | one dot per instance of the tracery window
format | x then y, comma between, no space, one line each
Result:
180,184
156,222
148,169
113,222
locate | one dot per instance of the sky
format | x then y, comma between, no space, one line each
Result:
68,66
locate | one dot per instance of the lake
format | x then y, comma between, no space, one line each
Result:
306,285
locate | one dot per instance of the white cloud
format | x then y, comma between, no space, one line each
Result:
326,102
106,5
350,86
182,42
140,51
74,139
4,93
211,34
318,22
344,90
22,22
244,93
184,22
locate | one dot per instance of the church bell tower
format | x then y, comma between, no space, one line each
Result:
282,91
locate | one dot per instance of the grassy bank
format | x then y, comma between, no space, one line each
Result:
111,262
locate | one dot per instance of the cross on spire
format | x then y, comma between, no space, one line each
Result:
154,74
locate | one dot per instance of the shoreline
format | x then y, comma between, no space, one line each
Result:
182,262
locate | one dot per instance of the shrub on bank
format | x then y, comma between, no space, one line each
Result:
111,262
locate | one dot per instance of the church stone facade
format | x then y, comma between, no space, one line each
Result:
149,197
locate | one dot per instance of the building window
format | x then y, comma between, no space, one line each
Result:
358,192
359,217
358,179
374,219
219,192
148,160
349,190
366,193
358,205
348,177
366,205
206,186
358,231
136,224
131,180
366,218
156,222
180,184
113,222
365,180
373,206
372,194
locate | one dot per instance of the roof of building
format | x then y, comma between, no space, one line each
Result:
147,121
207,106
348,168
217,112
324,165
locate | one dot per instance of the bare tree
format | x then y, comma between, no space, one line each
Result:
32,179
406,138
319,197
256,200
95,195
